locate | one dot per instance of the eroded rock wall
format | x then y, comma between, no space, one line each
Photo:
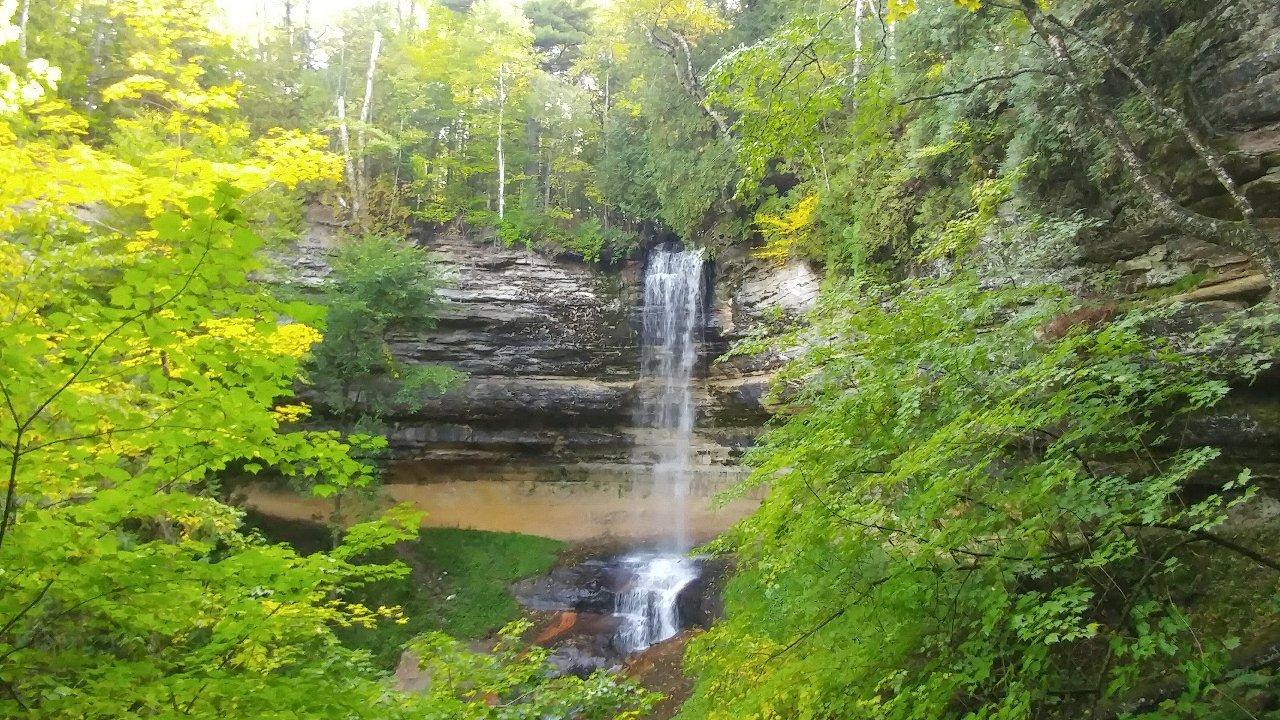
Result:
550,348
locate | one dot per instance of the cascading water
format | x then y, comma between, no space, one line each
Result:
648,605
672,323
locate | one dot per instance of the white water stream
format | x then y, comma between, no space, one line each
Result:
672,324
648,606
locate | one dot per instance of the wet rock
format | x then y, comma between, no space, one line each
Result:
583,632
661,668
581,643
738,401
701,602
583,656
590,586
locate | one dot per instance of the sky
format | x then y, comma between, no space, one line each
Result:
247,17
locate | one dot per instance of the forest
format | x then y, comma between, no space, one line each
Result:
1014,455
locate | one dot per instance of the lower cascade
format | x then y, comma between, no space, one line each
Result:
672,324
648,605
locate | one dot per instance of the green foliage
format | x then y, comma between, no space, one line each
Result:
133,383
557,234
457,585
379,287
978,509
511,682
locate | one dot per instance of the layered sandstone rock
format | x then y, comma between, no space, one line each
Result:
550,349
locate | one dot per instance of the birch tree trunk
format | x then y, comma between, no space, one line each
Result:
23,16
859,9
362,177
604,126
502,164
344,139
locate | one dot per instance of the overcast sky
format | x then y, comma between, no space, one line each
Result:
247,17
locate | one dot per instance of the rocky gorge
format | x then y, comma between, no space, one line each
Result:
543,436
550,349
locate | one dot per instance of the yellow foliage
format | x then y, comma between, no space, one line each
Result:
11,264
133,87
899,9
290,340
291,413
294,339
782,233
293,157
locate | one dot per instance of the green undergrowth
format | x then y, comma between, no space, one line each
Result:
457,582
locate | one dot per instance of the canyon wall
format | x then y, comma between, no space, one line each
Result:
550,344
550,347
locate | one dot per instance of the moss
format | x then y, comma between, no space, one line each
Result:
1185,284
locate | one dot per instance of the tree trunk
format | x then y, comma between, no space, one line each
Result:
23,16
304,41
604,131
344,139
1241,236
859,9
362,179
502,165
681,54
1175,118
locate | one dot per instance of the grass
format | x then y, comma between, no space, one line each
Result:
457,583
475,568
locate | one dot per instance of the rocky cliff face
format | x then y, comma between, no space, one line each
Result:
1235,81
551,352
550,356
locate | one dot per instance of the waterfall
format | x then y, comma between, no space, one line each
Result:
648,607
672,323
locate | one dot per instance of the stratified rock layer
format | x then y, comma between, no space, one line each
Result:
550,349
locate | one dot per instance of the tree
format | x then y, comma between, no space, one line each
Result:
141,368
380,288
966,508
138,371
560,27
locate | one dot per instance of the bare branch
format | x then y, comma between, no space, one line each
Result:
973,85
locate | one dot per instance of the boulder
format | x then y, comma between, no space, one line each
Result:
1264,194
1249,288
590,586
